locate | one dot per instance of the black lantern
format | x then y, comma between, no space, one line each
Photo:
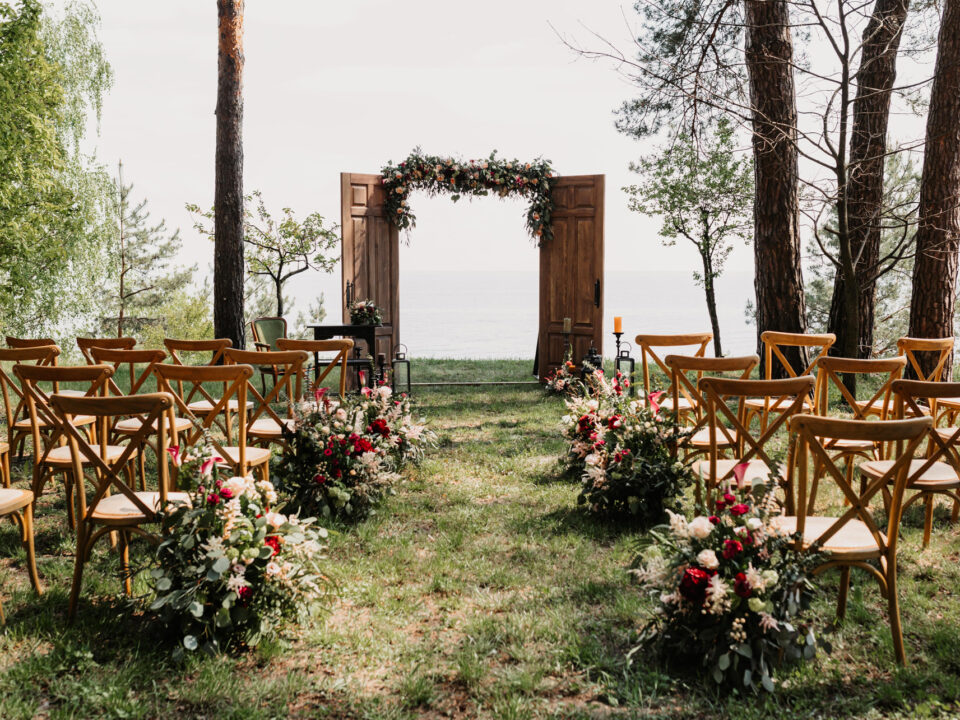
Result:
624,362
591,361
400,361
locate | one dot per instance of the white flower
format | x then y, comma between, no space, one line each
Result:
700,527
768,622
678,525
239,569
385,391
272,568
592,459
755,579
236,582
276,520
754,524
213,547
717,599
770,577
708,559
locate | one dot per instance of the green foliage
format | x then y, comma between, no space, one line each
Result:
365,312
186,314
276,249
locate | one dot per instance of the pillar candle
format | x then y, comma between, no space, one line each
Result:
618,324
567,325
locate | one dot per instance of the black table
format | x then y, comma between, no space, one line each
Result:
367,333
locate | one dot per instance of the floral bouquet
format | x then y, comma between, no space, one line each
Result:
622,451
563,380
228,570
730,590
365,312
391,418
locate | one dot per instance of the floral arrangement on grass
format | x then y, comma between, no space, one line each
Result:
436,174
621,450
342,456
564,380
229,570
365,312
730,591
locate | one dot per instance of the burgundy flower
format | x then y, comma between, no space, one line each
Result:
226,493
693,584
213,498
244,595
379,427
714,519
328,452
614,422
274,542
729,499
731,548
319,479
740,585
739,509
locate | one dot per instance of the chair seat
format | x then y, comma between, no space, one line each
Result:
78,420
682,404
946,433
71,393
4,447
61,455
255,455
755,468
847,445
938,475
853,541
13,499
269,428
131,426
784,403
118,507
701,438
205,406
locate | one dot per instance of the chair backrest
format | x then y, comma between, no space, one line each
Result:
113,343
267,330
216,348
20,343
146,359
888,369
811,431
14,401
235,380
943,445
783,398
685,387
342,349
288,366
154,407
38,398
649,344
774,342
909,347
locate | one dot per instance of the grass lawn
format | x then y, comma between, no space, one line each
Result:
478,590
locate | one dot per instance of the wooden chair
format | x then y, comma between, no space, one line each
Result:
729,429
937,471
24,343
686,390
50,456
17,504
266,331
949,408
649,344
342,349
139,366
773,357
235,380
111,343
264,424
853,538
14,403
127,510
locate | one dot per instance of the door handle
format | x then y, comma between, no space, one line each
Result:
596,294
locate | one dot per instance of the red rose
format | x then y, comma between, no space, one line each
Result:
319,479
274,542
379,427
213,498
226,493
244,594
714,519
328,452
739,509
740,585
731,548
693,584
614,422
729,499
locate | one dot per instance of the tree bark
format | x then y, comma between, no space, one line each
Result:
228,191
938,231
779,280
868,145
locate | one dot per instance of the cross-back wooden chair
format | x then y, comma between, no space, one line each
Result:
686,389
23,343
116,505
774,358
937,470
111,343
650,345
943,347
235,379
341,348
17,504
732,428
853,537
14,403
49,433
265,332
264,424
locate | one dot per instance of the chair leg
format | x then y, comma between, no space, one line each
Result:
81,558
125,562
68,487
31,550
928,502
893,609
844,590
142,468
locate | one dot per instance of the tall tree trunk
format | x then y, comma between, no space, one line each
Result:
868,145
228,192
779,281
938,232
279,288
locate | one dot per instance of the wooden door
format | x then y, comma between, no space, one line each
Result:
370,254
571,272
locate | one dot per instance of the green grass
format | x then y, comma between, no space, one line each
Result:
478,590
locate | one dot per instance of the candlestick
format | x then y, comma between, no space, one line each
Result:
618,325
567,325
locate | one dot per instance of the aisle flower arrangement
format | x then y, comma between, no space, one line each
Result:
342,456
564,380
621,450
434,174
730,592
365,312
229,570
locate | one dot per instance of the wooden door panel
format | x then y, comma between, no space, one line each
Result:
570,266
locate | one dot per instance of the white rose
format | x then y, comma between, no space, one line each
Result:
591,459
708,559
385,391
754,524
341,414
700,527
276,520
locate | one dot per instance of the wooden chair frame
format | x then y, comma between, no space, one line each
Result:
773,344
906,436
20,510
155,408
197,392
908,347
342,349
14,400
647,343
682,385
108,343
791,395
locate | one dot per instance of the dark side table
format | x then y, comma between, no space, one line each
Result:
366,333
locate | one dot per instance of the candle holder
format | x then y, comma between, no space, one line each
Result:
592,362
624,363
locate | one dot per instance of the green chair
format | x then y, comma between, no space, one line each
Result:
266,331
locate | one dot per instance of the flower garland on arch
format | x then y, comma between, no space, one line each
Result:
436,174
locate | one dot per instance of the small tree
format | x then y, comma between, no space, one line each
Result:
141,276
703,192
278,249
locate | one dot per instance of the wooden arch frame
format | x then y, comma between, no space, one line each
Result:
571,264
